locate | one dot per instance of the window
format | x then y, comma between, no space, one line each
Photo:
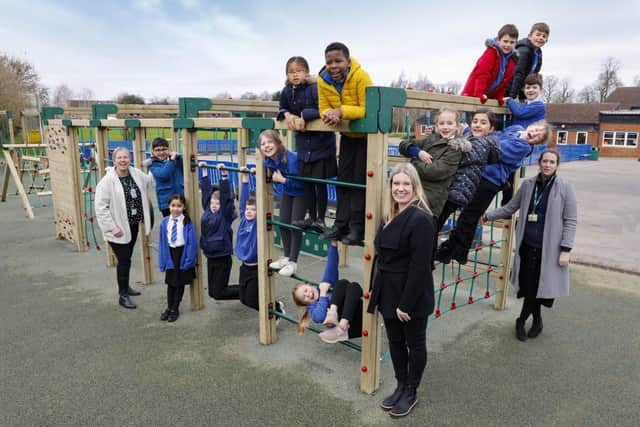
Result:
562,137
620,139
423,129
581,137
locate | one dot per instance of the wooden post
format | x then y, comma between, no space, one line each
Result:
5,184
267,285
138,158
192,195
506,255
102,160
16,179
376,180
12,137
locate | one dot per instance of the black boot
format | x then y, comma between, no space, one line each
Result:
391,400
333,234
535,330
126,302
520,332
318,226
133,292
165,315
173,315
406,402
354,237
443,254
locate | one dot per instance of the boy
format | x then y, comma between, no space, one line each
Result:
516,144
492,74
166,168
529,57
533,110
341,96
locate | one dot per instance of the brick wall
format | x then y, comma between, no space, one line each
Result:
615,151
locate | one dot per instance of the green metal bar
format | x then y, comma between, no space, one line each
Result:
229,168
328,181
294,228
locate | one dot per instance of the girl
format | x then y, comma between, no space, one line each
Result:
281,162
177,254
437,157
403,286
316,150
484,149
216,239
340,307
545,235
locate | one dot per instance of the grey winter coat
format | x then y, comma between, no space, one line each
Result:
559,230
436,176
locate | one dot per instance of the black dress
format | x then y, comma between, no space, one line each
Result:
176,277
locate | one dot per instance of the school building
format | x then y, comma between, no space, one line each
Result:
613,126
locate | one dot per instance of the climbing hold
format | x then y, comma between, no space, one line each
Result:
366,295
470,300
369,215
370,173
365,333
367,257
364,369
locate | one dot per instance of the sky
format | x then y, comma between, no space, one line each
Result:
174,48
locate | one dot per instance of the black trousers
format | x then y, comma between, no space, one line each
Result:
461,237
447,210
123,253
291,209
408,348
352,167
218,271
348,297
174,297
249,286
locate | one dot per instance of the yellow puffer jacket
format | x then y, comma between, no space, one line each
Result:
352,101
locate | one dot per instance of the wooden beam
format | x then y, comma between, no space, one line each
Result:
18,182
139,156
102,160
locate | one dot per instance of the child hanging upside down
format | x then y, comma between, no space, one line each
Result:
339,308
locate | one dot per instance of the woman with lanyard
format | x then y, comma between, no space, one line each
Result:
545,235
121,203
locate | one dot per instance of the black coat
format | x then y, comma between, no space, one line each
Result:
302,101
526,53
403,278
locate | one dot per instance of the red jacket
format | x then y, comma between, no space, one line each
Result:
485,73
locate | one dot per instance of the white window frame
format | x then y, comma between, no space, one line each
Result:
586,137
566,137
613,136
423,129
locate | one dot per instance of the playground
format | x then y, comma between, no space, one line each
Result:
72,357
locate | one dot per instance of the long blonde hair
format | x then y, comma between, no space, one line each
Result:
277,140
305,319
390,208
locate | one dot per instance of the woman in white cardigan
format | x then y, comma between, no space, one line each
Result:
121,203
545,235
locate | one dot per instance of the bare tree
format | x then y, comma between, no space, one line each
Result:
86,94
608,78
422,83
636,81
129,98
163,101
565,92
401,82
587,95
222,95
265,95
61,94
19,84
551,88
248,95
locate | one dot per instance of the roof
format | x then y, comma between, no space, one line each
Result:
627,97
621,113
577,113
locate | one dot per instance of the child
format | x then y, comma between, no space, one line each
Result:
343,302
484,150
281,162
516,143
342,90
533,110
529,53
492,74
177,254
166,168
216,235
316,150
437,157
247,248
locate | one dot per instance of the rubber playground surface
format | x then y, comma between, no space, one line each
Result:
72,356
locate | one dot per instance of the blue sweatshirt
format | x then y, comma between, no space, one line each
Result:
168,177
527,113
216,238
514,150
189,253
292,187
247,236
318,310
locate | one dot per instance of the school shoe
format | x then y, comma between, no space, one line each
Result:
520,332
332,234
535,330
126,302
461,255
318,226
165,315
405,404
443,254
353,238
280,309
302,223
133,292
334,335
391,400
331,319
279,263
173,315
289,269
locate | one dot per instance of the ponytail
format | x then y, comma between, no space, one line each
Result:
304,321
